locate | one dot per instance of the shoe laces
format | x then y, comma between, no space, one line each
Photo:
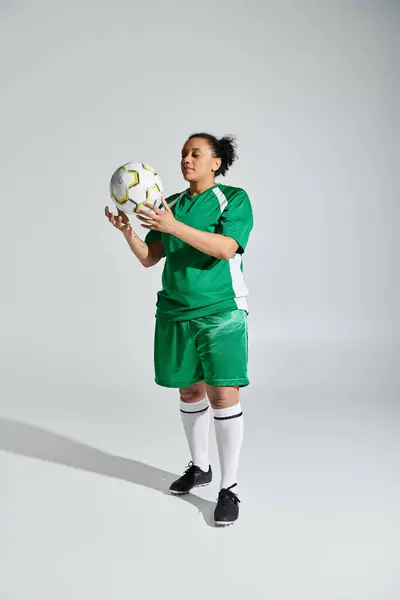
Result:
191,467
226,496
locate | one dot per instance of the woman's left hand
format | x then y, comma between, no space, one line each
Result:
158,220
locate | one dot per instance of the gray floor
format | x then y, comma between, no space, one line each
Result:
88,443
85,467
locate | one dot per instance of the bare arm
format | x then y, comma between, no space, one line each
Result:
214,244
148,254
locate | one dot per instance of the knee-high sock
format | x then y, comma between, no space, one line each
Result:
229,434
196,423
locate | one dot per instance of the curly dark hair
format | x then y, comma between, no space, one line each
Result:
225,149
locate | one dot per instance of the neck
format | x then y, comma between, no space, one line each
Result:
198,187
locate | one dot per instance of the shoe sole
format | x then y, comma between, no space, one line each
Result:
224,523
174,493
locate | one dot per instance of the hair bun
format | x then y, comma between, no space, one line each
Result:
227,147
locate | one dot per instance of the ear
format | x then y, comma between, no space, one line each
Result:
217,164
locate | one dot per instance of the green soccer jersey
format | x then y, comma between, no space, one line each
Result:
195,284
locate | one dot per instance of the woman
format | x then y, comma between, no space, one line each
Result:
201,319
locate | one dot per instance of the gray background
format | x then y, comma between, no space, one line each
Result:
88,443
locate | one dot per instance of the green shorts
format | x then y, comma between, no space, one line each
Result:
213,349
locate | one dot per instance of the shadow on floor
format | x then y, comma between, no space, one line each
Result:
34,442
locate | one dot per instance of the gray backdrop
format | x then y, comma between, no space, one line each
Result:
310,90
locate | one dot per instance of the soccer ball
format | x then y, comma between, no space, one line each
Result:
133,184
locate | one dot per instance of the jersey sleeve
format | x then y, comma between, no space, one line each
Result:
152,236
236,220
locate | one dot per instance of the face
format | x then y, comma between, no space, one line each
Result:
198,162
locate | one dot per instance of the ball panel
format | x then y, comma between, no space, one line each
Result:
153,193
131,178
120,198
133,184
148,168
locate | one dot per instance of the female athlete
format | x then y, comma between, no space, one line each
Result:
201,333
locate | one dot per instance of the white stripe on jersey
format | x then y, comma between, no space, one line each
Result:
176,200
222,198
238,284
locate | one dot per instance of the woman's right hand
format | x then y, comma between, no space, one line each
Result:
119,221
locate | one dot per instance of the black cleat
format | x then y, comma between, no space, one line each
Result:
193,477
227,509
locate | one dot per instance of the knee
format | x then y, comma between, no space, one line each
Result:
223,397
193,393
219,402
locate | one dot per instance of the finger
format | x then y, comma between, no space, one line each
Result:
144,219
123,224
146,227
152,207
165,205
145,212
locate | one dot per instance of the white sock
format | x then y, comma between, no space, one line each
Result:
229,434
196,422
